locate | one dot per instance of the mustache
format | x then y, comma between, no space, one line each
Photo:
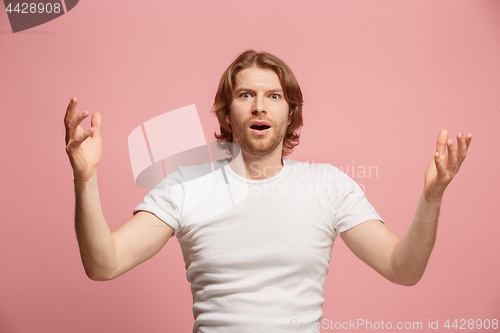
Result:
247,123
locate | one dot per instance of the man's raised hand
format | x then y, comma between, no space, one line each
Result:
444,167
84,148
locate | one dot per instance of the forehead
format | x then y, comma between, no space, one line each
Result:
255,76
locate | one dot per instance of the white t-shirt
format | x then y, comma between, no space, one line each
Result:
257,251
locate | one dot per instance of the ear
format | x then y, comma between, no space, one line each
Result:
289,120
227,119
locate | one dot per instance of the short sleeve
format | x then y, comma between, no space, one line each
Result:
350,204
160,202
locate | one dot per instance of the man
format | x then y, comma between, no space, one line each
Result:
259,263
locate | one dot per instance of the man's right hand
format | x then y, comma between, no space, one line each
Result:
84,148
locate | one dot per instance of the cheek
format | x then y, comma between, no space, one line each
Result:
231,113
237,111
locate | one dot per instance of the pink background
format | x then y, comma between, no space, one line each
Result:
380,80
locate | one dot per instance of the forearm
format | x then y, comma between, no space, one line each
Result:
97,248
411,255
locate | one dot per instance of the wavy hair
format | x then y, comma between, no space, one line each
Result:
289,84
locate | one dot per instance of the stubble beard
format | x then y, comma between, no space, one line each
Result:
259,145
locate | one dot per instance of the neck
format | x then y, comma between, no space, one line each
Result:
257,167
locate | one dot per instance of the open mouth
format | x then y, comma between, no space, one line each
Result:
260,127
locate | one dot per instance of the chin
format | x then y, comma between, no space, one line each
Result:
259,146
261,150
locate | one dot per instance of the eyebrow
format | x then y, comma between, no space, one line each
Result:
242,89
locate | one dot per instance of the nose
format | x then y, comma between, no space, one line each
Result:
258,105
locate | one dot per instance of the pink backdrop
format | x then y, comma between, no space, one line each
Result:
380,80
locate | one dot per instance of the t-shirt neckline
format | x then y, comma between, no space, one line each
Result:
276,177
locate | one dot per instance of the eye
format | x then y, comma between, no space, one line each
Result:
245,95
275,96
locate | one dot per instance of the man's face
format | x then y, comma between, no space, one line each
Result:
259,113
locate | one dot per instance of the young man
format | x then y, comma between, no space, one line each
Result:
257,233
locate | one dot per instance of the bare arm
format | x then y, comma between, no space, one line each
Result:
403,261
138,240
97,248
105,255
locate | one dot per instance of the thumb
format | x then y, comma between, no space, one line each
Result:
96,125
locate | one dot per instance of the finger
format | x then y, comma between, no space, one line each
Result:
77,141
70,114
468,140
72,128
461,147
441,142
70,111
78,119
440,164
96,124
452,156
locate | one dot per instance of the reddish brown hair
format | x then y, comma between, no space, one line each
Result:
291,92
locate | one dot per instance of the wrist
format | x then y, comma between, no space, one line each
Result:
434,191
84,180
433,196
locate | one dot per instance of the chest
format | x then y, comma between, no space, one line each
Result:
267,229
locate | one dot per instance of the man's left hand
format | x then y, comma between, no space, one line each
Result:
444,167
